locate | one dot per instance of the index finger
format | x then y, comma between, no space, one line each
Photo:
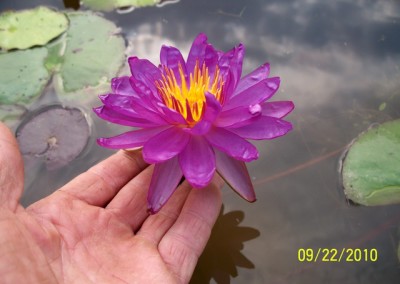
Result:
98,185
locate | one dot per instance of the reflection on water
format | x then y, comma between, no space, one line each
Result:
73,4
223,251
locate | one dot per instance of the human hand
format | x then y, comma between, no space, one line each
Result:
96,228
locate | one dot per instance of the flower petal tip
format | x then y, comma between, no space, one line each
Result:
152,210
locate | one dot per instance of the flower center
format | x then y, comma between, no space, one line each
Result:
189,100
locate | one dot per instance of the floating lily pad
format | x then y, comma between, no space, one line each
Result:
22,76
56,134
24,29
371,167
10,114
95,50
102,5
55,57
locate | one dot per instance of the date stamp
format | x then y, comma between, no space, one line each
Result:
337,255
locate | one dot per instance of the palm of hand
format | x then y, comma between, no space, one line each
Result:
96,229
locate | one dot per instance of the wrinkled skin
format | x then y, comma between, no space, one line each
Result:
96,229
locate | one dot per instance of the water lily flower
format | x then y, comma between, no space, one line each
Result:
194,117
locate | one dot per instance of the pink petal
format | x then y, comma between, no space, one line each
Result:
165,179
171,57
232,144
263,127
256,94
165,145
211,59
197,162
122,86
232,61
277,109
170,115
235,174
252,78
148,97
113,116
132,107
130,139
212,110
231,117
197,52
145,71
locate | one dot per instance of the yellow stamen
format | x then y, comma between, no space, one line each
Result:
189,100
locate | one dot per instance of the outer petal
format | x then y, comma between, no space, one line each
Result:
130,139
256,94
145,71
165,145
232,61
234,116
211,59
232,144
277,109
143,67
165,179
111,115
235,174
171,57
197,162
132,107
263,127
197,52
252,78
122,86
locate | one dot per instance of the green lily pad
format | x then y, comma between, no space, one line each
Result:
24,29
11,114
55,57
94,50
371,168
102,5
25,76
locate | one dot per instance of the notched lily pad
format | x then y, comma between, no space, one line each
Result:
95,50
56,134
24,29
110,5
371,167
22,76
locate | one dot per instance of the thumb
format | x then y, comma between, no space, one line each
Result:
11,170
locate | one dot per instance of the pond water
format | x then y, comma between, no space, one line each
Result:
339,61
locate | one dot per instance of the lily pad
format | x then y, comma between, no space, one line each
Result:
371,167
54,133
95,50
24,29
11,114
24,76
110,5
55,57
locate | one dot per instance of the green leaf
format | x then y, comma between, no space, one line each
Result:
95,51
55,57
25,75
110,5
371,168
24,29
11,114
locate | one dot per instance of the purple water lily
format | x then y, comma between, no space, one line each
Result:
194,117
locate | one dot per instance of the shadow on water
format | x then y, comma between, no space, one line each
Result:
222,254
